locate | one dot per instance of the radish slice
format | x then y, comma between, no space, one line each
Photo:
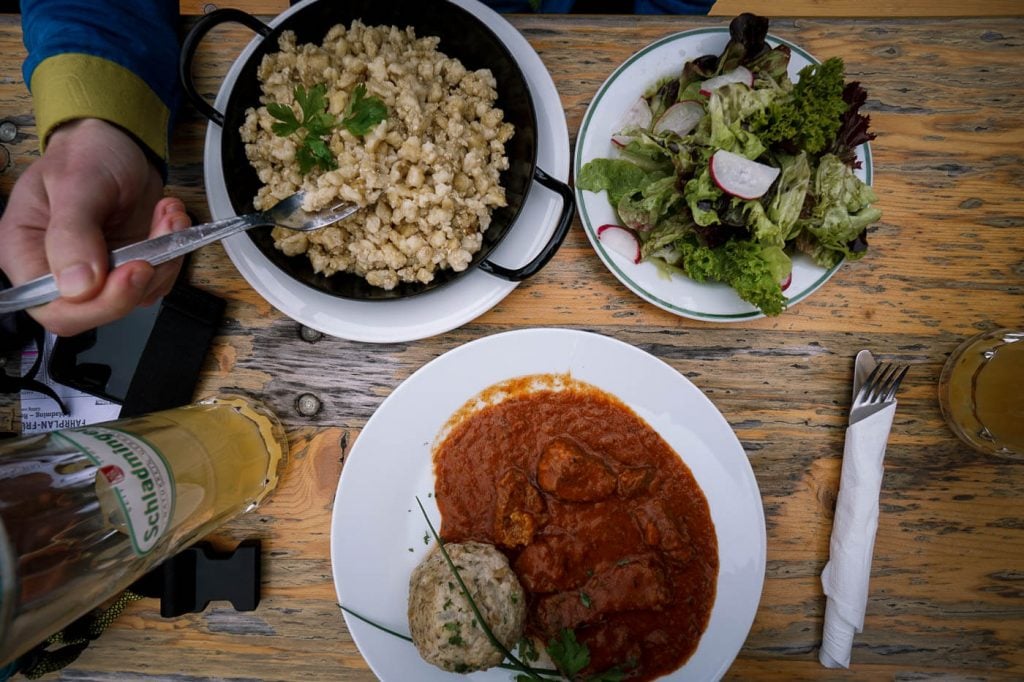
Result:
621,140
786,282
637,116
620,240
741,177
740,74
680,118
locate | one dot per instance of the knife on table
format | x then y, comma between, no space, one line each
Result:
863,366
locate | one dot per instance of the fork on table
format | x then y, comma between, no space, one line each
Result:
878,390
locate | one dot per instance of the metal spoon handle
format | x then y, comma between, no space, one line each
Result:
154,251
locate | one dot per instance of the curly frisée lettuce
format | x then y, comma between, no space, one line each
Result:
753,270
762,168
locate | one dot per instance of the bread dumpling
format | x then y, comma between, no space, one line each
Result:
441,620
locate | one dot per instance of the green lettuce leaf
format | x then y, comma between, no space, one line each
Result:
616,176
773,65
753,270
810,116
842,212
792,185
835,184
662,95
740,104
701,193
762,227
665,233
691,91
642,210
649,153
778,261
727,113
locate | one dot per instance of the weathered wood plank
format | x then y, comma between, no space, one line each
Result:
946,261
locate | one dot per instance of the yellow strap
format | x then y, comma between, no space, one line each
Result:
72,86
46,659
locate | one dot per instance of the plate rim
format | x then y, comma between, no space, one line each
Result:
570,337
864,150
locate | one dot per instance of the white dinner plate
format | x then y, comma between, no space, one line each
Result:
378,533
438,310
714,302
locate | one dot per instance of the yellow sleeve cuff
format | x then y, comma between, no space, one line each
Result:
71,86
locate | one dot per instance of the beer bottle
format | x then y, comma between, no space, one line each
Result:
85,512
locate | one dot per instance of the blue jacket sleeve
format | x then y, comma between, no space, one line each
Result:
140,35
107,59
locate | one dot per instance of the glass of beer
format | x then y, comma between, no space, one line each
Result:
981,392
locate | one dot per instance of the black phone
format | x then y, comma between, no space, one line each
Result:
146,361
102,361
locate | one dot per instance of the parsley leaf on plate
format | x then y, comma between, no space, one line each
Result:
286,122
361,116
313,150
568,654
363,113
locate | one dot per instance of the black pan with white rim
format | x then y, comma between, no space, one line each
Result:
462,36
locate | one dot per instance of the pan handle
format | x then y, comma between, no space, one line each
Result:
548,252
191,44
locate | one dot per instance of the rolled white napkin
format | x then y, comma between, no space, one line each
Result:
846,575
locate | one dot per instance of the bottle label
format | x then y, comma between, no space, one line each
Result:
138,476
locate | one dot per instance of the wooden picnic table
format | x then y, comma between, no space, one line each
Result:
945,262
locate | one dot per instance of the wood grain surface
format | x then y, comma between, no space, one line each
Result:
946,261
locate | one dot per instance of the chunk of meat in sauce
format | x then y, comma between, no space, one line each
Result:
660,529
550,564
634,482
638,584
518,509
563,557
611,643
568,472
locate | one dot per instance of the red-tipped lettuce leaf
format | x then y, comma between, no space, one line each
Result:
853,127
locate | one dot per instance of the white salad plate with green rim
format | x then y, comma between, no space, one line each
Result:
713,302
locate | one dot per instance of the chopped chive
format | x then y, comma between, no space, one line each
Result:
376,625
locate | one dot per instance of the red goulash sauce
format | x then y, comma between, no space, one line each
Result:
603,523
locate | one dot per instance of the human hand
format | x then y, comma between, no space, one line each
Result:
94,189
